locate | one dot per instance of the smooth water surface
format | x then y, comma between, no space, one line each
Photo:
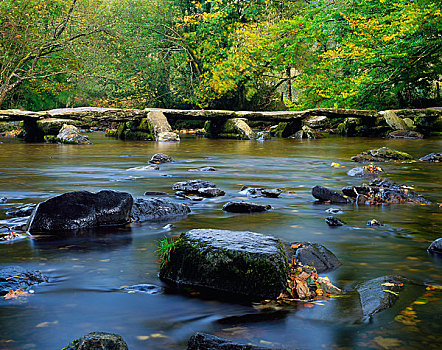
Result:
87,273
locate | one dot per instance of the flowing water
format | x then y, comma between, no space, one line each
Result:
87,273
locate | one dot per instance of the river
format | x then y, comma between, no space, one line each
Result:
86,274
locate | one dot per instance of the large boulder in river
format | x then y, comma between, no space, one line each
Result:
16,277
241,264
203,341
157,209
81,209
98,341
382,154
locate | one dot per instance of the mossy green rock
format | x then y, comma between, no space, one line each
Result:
382,154
240,264
98,341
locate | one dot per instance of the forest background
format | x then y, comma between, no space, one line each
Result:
227,54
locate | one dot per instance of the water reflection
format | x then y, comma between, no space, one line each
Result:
88,272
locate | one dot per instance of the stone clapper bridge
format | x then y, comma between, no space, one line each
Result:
153,123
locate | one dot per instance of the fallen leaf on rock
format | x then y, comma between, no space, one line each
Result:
14,294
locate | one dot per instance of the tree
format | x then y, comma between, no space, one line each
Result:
366,54
37,39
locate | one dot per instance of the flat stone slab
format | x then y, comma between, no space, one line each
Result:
243,264
16,277
245,207
374,293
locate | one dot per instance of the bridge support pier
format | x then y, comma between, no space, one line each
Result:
234,128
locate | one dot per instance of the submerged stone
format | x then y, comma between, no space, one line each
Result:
98,341
21,211
81,209
157,209
379,294
16,277
405,134
228,263
145,288
203,341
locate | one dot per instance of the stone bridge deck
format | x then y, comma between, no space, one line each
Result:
89,114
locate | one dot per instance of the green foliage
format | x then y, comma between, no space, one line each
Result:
165,247
366,54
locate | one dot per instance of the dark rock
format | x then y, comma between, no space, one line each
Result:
315,255
382,154
432,157
239,264
374,222
206,168
435,247
371,297
355,191
153,193
159,158
81,209
192,197
145,288
332,221
405,134
158,209
98,341
325,195
192,186
271,193
203,341
245,207
211,192
16,277
197,187
3,199
21,211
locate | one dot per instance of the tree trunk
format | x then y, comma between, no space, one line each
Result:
289,83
